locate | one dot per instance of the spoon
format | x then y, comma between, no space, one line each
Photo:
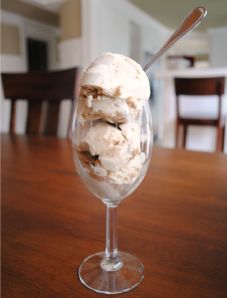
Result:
191,21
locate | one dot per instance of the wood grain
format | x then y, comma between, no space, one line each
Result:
175,222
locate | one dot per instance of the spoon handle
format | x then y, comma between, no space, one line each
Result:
191,21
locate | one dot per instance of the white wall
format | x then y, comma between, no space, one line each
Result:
18,63
218,46
70,54
106,28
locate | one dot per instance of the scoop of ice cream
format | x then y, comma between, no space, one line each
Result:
108,144
114,88
114,110
116,151
117,76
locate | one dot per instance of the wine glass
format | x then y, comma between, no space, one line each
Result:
112,271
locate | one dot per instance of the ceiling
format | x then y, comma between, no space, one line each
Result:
168,12
51,5
171,12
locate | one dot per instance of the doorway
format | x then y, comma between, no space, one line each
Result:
37,54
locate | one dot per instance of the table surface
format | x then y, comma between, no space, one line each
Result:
175,222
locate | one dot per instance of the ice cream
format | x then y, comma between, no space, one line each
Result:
114,88
113,91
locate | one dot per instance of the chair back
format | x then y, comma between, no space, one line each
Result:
200,87
39,87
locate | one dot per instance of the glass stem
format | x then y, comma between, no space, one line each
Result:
111,261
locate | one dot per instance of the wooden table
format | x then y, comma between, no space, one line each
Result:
175,222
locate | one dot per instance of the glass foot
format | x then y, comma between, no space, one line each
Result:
121,280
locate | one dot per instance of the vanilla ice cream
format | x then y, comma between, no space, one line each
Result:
114,88
113,91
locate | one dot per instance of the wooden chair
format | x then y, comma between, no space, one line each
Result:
200,87
39,87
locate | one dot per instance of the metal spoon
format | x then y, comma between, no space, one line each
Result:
191,21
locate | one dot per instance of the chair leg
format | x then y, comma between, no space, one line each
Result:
223,139
12,125
184,135
220,139
177,134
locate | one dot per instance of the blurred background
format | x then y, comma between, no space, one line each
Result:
60,34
